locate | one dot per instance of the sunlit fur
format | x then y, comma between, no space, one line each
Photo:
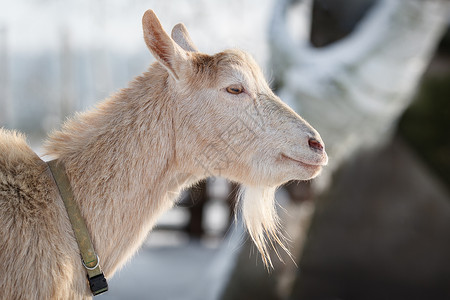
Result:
128,159
261,219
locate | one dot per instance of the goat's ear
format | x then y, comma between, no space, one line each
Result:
163,48
181,36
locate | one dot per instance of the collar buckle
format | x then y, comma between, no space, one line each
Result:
98,284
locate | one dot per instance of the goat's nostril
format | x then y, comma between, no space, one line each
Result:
315,144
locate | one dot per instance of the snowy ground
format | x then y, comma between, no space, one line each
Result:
172,267
170,272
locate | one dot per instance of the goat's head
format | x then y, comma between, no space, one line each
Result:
235,126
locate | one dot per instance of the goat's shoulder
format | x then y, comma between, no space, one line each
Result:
36,244
23,179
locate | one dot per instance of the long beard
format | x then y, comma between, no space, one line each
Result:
260,217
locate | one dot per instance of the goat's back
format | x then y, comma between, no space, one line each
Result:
36,241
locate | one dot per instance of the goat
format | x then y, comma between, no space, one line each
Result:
190,116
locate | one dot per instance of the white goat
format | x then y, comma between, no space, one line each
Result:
190,116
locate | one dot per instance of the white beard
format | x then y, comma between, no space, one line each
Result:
260,217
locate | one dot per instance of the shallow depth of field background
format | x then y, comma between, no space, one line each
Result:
377,227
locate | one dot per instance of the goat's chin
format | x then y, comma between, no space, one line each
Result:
309,172
298,170
289,173
260,217
277,171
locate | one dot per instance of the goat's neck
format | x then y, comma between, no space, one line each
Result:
120,159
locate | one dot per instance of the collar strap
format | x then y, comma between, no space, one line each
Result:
90,260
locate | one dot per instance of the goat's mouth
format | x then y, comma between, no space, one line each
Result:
303,164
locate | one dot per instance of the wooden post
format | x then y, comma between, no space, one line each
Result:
198,197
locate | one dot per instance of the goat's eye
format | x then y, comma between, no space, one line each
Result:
235,89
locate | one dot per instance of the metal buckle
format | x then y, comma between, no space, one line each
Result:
93,268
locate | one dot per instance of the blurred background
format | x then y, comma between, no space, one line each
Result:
372,76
